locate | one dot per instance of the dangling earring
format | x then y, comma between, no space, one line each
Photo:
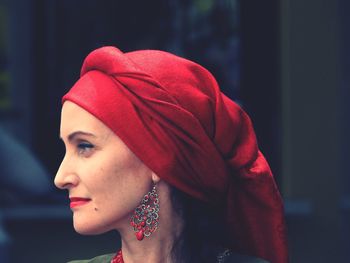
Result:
145,219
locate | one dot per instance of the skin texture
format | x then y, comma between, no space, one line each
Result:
98,165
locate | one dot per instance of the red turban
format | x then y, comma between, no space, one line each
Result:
170,112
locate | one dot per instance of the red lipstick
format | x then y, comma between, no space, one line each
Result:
78,201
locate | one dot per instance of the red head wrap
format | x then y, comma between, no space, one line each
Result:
172,115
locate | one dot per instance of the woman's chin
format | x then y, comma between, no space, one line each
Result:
86,228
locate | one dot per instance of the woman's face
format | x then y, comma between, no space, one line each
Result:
99,168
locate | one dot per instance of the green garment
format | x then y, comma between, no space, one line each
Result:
99,259
230,258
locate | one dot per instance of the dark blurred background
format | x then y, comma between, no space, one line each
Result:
286,62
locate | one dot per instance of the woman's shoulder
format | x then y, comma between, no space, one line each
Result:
229,256
99,259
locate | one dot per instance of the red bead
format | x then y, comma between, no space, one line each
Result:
118,258
140,235
143,223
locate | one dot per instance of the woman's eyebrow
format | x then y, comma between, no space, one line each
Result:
76,133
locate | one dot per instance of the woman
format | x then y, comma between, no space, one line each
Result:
155,151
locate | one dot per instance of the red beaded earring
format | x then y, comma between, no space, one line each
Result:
145,219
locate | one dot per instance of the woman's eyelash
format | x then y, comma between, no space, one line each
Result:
84,147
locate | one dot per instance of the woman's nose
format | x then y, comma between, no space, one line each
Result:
66,177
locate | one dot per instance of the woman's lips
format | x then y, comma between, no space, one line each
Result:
78,201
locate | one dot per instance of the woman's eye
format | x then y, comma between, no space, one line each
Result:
84,148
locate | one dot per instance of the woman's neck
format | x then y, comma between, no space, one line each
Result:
157,247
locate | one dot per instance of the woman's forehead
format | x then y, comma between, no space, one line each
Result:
74,118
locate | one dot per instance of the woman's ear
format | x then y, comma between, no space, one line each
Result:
155,178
